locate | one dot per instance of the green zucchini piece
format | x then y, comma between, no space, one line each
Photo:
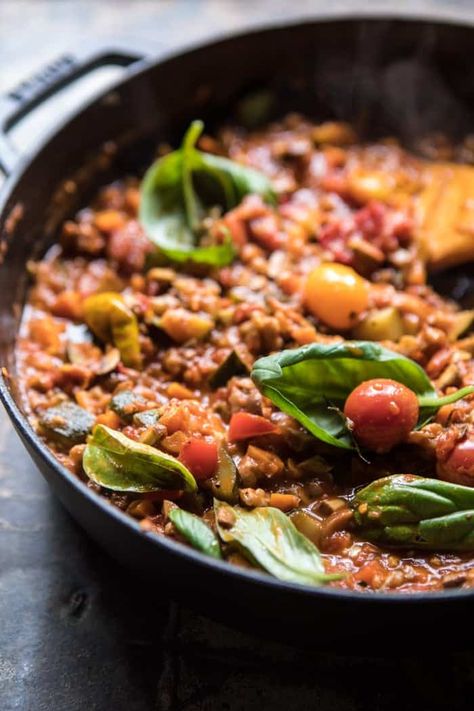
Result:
66,424
224,484
146,418
230,367
126,404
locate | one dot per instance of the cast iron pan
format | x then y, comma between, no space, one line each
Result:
388,76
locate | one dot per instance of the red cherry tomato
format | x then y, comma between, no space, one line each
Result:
243,425
458,466
200,457
383,412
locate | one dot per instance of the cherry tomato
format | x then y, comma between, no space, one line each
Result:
200,456
458,466
244,425
336,294
382,412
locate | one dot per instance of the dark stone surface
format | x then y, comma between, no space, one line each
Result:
77,631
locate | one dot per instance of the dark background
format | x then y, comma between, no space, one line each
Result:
77,631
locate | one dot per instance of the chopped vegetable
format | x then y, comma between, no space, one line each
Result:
268,538
127,403
457,464
380,325
364,186
284,502
244,425
196,532
146,418
117,462
446,214
413,512
200,457
229,368
224,485
337,295
182,325
463,321
67,423
312,383
307,524
111,320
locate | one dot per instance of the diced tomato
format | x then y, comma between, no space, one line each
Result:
370,220
244,425
372,574
265,231
169,494
68,304
333,237
200,456
128,247
236,227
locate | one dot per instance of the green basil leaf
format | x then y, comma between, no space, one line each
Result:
312,382
237,180
411,511
178,187
117,462
268,538
196,532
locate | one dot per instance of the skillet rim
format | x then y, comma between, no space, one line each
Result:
26,431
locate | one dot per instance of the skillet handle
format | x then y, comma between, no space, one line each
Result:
29,94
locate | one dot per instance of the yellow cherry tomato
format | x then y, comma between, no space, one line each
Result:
336,295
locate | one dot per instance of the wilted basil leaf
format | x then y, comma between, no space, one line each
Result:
117,462
178,188
196,532
268,538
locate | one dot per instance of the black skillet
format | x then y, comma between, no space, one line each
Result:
388,76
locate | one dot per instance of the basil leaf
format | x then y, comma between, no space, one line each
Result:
176,191
411,511
312,382
236,180
196,532
117,462
268,538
